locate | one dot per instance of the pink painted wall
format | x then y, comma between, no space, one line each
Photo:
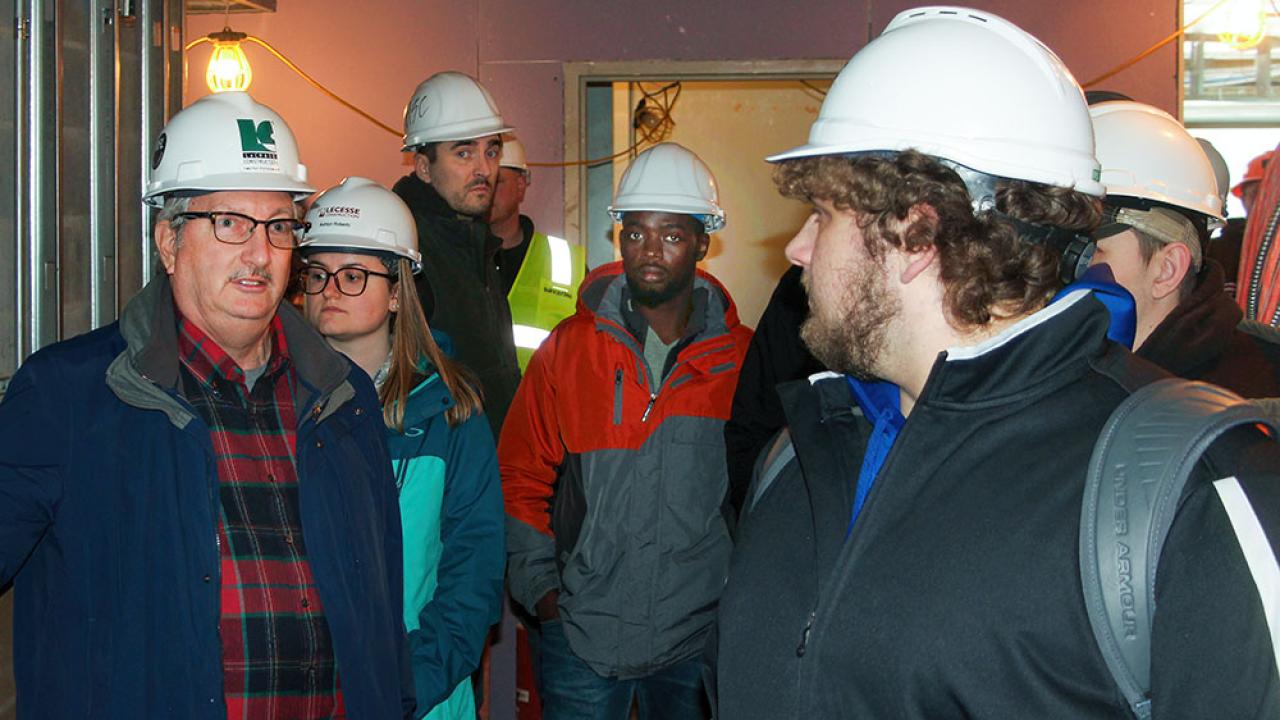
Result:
375,52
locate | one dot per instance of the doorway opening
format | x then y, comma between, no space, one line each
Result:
731,115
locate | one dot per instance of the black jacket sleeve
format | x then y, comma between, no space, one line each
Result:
775,355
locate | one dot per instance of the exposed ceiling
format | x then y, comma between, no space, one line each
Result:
218,7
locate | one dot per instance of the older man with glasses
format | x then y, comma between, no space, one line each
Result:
197,508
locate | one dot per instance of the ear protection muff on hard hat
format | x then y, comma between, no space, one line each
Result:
1076,249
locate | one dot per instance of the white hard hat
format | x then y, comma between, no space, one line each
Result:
966,86
1221,173
1147,154
513,154
225,141
669,178
450,106
359,215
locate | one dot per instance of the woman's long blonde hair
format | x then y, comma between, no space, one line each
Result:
411,342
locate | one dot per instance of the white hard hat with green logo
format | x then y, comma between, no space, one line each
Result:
1146,153
225,141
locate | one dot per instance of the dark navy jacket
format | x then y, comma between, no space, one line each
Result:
108,517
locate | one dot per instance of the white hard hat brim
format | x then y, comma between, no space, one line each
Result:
969,158
445,135
712,220
331,242
230,182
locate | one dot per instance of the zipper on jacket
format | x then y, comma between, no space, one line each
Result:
617,396
804,635
653,398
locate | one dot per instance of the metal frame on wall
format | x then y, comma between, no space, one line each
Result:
92,83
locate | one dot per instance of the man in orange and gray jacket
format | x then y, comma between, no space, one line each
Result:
612,459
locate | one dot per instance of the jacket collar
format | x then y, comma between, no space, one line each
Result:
604,297
423,196
1036,355
148,325
635,322
526,229
423,200
430,398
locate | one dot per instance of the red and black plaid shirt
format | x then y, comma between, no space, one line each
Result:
277,656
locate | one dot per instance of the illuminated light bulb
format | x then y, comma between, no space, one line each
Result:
1247,20
228,67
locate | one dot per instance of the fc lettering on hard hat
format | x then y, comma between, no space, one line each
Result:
418,108
447,107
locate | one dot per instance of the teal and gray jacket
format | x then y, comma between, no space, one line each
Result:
454,549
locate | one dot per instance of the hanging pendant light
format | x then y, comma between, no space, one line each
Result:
228,67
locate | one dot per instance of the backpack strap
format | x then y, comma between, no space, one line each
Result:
1140,465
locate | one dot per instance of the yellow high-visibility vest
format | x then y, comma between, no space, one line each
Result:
545,291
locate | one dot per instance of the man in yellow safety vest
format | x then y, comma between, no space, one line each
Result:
540,273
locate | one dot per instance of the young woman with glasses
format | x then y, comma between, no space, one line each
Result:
360,253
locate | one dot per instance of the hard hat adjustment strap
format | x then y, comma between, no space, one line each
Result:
1076,248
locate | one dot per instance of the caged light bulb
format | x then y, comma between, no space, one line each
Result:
228,67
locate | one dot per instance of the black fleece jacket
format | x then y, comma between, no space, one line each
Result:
458,272
957,594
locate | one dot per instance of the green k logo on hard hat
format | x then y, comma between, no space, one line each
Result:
256,137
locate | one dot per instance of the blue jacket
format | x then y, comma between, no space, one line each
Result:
108,518
454,548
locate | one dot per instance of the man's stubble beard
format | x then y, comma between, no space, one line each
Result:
854,340
462,203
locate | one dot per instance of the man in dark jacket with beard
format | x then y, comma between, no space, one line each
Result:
910,548
1161,202
455,132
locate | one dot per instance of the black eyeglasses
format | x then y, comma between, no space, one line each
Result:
236,229
350,281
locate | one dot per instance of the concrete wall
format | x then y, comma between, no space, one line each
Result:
376,52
